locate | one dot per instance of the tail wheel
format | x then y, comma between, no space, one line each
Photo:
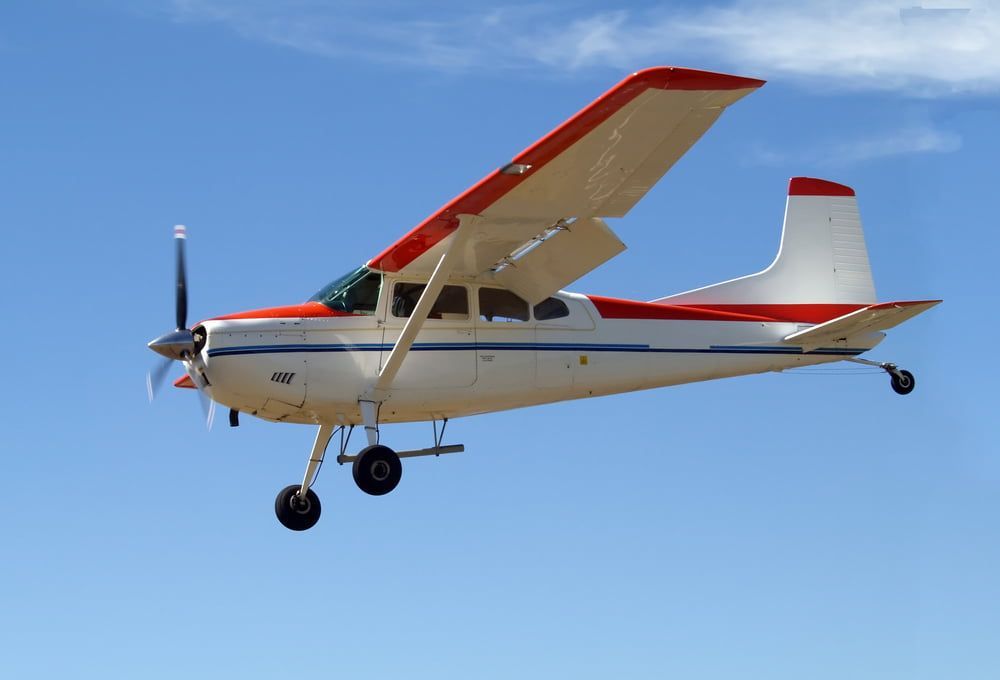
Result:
903,382
377,470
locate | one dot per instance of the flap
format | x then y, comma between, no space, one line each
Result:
551,263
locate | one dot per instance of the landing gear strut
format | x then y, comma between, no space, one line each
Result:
297,506
377,470
902,381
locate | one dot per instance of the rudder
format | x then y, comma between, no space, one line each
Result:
822,257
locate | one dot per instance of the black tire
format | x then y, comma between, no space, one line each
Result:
903,382
377,470
293,512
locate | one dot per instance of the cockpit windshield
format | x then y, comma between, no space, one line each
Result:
355,292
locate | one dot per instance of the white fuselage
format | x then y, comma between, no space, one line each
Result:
315,369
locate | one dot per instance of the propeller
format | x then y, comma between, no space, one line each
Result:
179,344
155,376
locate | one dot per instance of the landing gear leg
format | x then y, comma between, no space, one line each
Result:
901,381
297,506
376,469
369,415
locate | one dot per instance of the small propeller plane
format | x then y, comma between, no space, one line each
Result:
465,314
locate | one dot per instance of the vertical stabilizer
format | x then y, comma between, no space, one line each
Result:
822,258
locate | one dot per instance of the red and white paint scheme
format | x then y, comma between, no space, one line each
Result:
466,313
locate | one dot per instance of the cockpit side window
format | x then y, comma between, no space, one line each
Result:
452,303
355,293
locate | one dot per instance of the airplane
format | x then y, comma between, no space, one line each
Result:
466,313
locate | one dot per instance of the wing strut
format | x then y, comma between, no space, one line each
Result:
423,308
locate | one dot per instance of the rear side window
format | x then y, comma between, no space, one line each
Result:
452,302
497,304
551,308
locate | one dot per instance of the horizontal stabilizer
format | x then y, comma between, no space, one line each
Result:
867,320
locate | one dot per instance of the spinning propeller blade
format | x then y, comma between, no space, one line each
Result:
179,344
181,307
207,408
154,377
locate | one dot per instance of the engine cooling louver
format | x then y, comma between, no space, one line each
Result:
283,378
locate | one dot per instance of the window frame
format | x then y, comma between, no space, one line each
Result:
351,280
516,323
565,307
390,315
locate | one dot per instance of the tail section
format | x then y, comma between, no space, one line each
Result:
822,258
855,324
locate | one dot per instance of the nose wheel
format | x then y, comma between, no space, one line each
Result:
297,506
297,512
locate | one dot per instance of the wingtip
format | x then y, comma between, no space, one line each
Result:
906,303
680,78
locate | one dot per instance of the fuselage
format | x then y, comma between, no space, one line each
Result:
479,352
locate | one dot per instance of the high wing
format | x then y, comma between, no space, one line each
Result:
535,224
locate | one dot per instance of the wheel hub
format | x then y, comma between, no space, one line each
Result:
299,504
380,470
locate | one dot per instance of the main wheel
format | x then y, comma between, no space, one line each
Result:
903,382
377,470
295,512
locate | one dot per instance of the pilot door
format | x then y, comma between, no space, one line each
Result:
444,352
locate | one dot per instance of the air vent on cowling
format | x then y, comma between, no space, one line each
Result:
283,378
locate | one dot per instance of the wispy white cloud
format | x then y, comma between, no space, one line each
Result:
907,139
401,33
863,45
868,44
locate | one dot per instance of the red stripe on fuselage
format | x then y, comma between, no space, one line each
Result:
614,308
306,310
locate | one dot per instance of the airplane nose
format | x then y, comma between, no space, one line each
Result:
175,345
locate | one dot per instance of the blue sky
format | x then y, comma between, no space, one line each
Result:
779,526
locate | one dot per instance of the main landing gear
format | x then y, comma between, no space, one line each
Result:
376,469
901,381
